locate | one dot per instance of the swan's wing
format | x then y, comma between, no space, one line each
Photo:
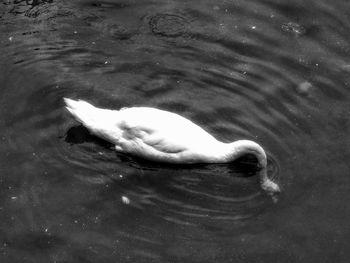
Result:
156,131
158,141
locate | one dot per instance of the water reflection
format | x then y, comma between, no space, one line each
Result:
79,134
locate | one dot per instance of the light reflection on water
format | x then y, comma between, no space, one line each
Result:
272,71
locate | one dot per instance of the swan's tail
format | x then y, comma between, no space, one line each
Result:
81,110
98,121
87,114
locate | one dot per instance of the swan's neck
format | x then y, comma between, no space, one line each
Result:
240,148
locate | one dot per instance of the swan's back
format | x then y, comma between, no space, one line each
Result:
166,122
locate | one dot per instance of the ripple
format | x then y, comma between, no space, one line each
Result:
108,5
168,25
186,199
114,30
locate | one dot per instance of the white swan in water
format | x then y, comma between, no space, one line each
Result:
164,136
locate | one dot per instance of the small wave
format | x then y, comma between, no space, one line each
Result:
168,25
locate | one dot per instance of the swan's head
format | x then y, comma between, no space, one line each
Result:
270,186
242,147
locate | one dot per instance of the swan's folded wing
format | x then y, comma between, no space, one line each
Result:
152,129
165,144
161,139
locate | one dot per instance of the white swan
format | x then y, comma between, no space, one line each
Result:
164,136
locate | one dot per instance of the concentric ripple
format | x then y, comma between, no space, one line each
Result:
168,25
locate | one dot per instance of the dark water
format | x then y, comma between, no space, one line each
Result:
275,71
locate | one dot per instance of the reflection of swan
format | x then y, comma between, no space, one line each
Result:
164,136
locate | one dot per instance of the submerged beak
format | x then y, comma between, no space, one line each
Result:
272,189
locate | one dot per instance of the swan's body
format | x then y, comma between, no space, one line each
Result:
163,136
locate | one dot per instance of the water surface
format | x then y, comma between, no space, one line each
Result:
276,72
